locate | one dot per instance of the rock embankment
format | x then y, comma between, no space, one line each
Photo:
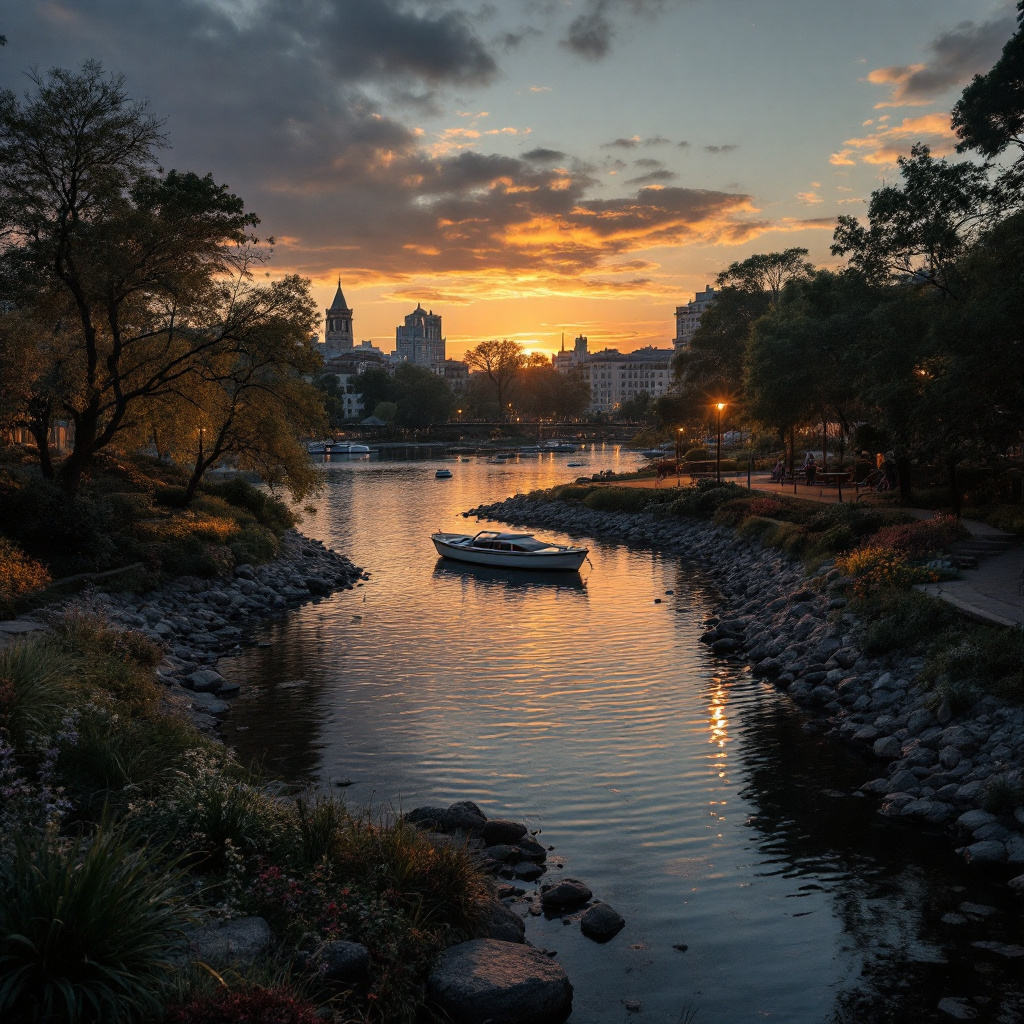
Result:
200,620
936,765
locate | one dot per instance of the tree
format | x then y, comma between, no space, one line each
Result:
423,398
373,385
249,397
119,261
502,362
918,230
766,272
989,116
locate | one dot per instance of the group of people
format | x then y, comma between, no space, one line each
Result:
882,478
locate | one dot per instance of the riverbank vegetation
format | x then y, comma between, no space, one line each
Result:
876,556
121,826
132,521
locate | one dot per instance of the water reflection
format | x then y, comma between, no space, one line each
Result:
505,579
689,795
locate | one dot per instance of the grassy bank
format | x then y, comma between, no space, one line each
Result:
121,824
127,524
881,553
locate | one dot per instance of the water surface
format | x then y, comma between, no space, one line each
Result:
686,794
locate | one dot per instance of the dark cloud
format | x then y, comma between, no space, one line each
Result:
684,144
513,40
653,178
646,161
541,155
590,33
720,149
621,144
657,140
955,57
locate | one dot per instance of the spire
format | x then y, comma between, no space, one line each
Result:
339,299
563,341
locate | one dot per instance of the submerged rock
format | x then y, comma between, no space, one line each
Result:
601,923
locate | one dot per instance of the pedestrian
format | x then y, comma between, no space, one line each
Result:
811,467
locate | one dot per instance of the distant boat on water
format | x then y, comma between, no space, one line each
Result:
443,474
508,550
337,448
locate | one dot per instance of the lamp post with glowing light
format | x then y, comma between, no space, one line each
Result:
679,452
718,451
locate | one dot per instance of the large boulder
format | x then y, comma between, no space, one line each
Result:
501,983
464,816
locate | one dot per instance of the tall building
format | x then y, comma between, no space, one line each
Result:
420,341
564,361
338,332
615,377
688,317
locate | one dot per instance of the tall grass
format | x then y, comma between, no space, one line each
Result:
86,931
34,681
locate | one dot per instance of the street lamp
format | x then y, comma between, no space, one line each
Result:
679,452
459,411
718,453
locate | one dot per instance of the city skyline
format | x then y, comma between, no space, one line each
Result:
537,168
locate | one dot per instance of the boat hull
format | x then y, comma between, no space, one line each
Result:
570,559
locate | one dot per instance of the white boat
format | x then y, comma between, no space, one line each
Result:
558,446
443,474
345,448
508,550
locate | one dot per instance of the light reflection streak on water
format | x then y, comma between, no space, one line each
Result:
682,790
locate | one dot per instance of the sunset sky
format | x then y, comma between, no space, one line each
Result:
531,167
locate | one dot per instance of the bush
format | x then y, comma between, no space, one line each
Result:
895,620
696,455
986,657
919,539
191,556
733,512
280,1005
254,545
1004,794
85,931
20,577
268,510
704,500
876,568
619,499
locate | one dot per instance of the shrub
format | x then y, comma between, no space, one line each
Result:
320,820
85,931
20,576
921,538
254,545
770,508
898,619
191,556
696,455
1004,794
279,1005
269,511
619,499
988,657
733,512
704,499
34,678
835,540
876,568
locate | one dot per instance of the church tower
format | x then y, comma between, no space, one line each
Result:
338,332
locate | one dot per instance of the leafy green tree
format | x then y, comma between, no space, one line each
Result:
501,362
989,116
373,385
766,272
122,260
918,230
423,398
331,394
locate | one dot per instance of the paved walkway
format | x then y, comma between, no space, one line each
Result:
993,592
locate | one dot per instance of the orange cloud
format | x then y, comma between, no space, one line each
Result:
890,141
842,158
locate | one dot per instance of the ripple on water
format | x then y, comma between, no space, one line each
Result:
685,792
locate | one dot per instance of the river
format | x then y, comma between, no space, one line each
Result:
687,794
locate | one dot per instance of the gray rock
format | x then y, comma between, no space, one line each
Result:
531,849
934,811
987,852
958,1009
950,757
902,782
343,962
208,703
240,942
490,980
601,923
528,870
887,748
919,721
1010,952
205,679
499,830
569,892
503,853
973,820
502,923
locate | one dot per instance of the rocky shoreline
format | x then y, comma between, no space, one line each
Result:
200,620
935,767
